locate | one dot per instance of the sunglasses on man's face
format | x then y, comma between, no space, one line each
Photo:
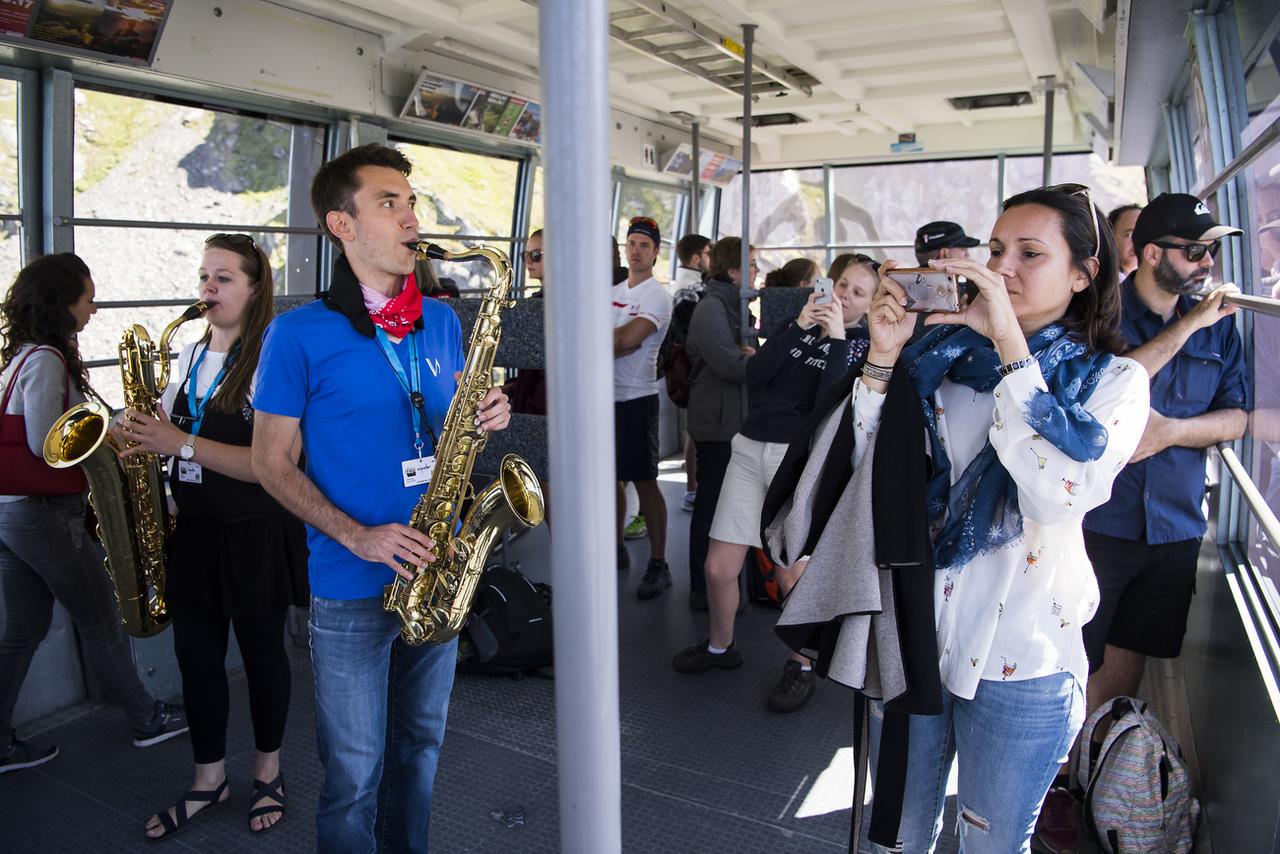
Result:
1193,251
533,256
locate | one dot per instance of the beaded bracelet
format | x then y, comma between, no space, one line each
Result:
1024,362
877,372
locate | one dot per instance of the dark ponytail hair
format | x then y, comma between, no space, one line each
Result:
234,391
37,310
1093,315
791,274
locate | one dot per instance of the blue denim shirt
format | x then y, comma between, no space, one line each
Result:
1158,499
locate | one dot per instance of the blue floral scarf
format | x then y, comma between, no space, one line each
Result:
979,513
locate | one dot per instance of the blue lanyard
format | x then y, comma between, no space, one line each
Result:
412,384
197,404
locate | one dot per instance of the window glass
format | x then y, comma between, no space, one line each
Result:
461,193
888,202
537,217
1263,178
10,200
787,208
152,160
158,263
663,206
1112,186
771,259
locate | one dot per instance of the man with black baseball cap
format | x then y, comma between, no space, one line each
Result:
1145,541
942,239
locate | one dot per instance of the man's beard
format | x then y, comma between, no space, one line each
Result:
1171,281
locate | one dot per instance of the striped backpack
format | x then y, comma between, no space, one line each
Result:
1137,791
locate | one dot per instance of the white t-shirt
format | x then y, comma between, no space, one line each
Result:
209,367
636,374
1016,613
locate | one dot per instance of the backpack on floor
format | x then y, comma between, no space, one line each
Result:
1137,791
509,629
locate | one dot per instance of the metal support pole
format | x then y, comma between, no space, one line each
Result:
1050,84
574,56
1000,165
695,210
745,290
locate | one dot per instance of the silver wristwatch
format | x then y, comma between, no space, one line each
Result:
188,449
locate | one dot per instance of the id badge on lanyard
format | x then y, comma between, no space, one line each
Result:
189,471
416,470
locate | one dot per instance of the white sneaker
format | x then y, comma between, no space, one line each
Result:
687,504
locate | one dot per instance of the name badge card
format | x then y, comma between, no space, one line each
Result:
189,472
417,471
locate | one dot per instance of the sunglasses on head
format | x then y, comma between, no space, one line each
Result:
1193,251
859,258
1082,190
644,220
232,239
533,255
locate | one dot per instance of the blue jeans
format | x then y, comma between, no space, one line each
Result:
376,796
1009,740
46,554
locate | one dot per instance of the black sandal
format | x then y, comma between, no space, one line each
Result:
273,790
181,819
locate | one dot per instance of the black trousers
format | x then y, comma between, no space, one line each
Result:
713,461
200,643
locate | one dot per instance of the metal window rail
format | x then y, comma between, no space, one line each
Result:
1251,152
1249,302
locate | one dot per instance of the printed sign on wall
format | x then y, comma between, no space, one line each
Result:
457,103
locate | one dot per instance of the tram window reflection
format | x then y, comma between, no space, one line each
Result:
10,198
460,192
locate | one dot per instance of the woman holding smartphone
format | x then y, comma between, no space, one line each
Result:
237,558
788,374
1028,416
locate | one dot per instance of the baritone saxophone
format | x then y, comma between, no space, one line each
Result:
434,606
127,494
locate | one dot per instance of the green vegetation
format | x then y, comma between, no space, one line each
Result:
479,191
109,126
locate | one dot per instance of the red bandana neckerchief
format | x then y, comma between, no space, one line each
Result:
397,315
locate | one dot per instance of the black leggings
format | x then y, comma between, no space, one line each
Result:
200,642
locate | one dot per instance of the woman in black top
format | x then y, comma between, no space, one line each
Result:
786,376
236,558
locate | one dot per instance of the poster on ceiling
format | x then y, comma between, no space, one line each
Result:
125,31
454,103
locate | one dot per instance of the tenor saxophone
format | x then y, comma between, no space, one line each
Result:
434,605
127,494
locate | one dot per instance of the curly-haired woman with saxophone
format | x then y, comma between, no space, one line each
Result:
46,553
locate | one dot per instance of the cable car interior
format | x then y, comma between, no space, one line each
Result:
844,127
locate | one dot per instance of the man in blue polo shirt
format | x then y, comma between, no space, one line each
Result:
1145,541
362,380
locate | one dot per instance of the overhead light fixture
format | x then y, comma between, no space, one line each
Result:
986,102
766,120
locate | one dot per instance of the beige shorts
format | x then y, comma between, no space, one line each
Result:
746,480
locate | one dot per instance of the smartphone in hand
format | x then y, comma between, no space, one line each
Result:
928,289
825,289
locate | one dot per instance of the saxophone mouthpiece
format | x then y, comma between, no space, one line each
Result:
428,251
195,310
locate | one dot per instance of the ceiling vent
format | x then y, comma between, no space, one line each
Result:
768,120
986,102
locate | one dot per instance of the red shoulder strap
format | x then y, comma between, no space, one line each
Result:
8,392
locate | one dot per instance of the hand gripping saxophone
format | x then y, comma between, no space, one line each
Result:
127,494
434,606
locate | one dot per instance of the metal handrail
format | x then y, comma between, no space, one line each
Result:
1249,302
1258,506
1251,152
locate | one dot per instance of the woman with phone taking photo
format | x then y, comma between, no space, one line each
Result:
1001,426
790,372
